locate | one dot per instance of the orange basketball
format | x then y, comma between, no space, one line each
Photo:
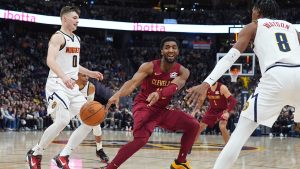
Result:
92,113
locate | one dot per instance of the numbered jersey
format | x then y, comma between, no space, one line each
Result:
275,40
68,57
217,101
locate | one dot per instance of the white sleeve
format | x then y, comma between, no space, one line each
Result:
90,97
222,66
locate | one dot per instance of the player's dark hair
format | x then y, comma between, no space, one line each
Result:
68,9
267,8
168,39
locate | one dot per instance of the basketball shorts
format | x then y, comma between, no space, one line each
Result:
278,86
57,94
212,117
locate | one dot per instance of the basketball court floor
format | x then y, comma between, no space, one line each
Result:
162,149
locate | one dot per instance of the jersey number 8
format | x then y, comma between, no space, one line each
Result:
282,42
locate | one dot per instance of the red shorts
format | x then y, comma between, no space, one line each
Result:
147,118
212,117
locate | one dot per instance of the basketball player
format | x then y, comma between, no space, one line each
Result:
88,90
63,95
160,80
276,44
221,103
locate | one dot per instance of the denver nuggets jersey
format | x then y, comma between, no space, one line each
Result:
158,79
274,41
85,89
68,57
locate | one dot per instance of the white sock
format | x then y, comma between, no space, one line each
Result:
231,151
99,145
38,150
76,138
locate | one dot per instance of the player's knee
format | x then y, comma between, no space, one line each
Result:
97,130
191,126
141,141
222,125
62,117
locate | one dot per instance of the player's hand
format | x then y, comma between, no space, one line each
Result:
95,74
113,100
152,98
225,115
196,95
68,82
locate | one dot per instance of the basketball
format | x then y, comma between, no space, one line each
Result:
92,113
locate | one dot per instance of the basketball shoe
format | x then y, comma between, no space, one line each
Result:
62,162
101,154
34,162
177,165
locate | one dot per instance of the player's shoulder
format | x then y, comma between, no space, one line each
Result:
57,37
147,67
91,88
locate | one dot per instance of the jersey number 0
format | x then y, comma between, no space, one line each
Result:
74,64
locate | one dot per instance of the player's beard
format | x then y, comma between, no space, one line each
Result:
169,59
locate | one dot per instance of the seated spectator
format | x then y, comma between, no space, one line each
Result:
127,120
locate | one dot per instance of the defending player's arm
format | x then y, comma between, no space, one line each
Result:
175,85
196,94
93,74
230,99
56,41
91,92
129,86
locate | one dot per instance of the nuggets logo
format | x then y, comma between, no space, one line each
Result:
246,105
53,105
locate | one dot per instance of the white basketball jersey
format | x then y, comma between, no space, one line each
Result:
68,57
85,90
275,41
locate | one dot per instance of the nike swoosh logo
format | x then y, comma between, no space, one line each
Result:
32,163
62,163
156,74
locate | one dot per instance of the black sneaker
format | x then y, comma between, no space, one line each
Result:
101,154
34,162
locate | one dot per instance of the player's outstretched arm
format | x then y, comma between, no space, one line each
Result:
129,86
93,74
196,94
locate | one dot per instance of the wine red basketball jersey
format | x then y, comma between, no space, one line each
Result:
158,79
217,101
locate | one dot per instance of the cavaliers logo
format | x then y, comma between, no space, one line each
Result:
173,74
246,105
54,104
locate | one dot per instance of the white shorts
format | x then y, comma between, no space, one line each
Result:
56,91
278,87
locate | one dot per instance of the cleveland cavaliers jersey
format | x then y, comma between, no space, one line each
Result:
157,80
274,41
68,57
217,101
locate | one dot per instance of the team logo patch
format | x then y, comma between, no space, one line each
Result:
246,105
54,104
173,75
